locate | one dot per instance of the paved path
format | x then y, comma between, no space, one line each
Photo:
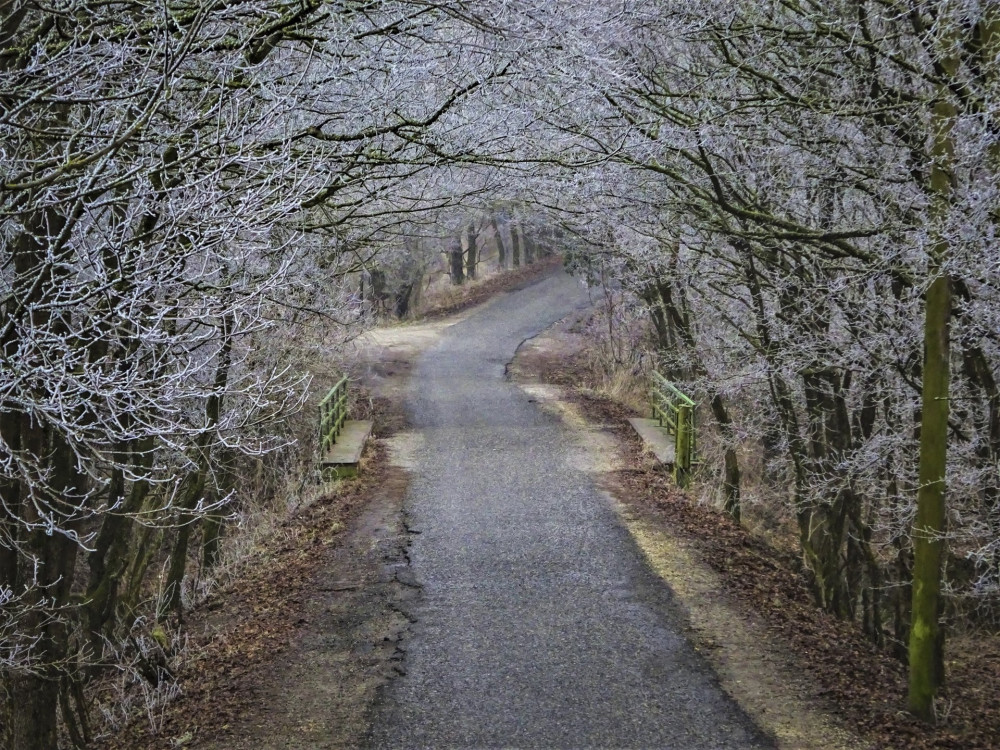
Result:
539,625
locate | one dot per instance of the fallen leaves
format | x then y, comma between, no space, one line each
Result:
243,628
864,683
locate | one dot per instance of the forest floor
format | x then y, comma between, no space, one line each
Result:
291,654
294,652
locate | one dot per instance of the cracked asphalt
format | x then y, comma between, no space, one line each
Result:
539,624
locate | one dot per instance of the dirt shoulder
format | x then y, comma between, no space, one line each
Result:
290,655
807,679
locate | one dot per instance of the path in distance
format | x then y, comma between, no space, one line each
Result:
540,625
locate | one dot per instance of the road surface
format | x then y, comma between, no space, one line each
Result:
539,624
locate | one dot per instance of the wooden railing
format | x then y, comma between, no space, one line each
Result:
332,414
675,412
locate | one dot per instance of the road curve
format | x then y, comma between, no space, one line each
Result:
539,625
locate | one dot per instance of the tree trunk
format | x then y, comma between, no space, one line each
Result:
731,481
455,261
110,556
196,486
926,637
42,570
821,525
406,297
661,324
211,536
172,600
825,539
530,251
977,370
672,321
149,540
515,241
35,702
502,259
47,583
472,253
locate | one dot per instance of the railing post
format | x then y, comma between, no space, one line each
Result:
681,439
332,414
674,411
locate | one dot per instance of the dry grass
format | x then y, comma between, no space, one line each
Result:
449,299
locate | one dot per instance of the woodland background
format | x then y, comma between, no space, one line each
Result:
790,206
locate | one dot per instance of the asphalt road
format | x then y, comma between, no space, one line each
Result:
539,625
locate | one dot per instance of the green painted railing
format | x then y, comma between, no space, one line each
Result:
332,414
675,411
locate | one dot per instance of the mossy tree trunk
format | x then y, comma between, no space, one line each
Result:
926,644
926,638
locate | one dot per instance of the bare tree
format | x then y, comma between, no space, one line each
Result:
177,181
815,178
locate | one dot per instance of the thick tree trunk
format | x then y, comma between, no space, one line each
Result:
148,541
672,322
10,494
926,636
821,524
172,601
35,703
47,581
825,542
211,538
664,339
42,570
409,297
110,556
977,370
213,524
